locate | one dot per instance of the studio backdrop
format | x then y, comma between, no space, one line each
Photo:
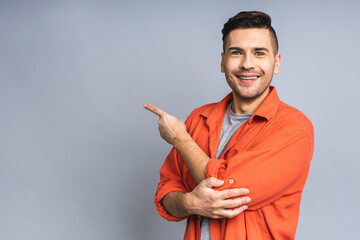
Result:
80,157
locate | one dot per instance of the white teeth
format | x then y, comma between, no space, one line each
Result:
248,78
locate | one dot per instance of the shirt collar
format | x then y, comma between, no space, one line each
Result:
267,108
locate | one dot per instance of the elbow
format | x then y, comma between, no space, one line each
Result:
216,168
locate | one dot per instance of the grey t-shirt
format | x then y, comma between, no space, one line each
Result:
231,124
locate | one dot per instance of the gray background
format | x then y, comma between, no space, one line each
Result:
79,157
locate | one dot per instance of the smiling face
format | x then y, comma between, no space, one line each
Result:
249,63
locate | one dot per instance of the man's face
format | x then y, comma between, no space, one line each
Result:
249,62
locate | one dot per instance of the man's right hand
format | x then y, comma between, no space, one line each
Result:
207,202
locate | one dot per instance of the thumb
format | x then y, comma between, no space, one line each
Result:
212,182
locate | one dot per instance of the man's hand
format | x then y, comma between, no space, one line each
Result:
205,201
170,128
173,131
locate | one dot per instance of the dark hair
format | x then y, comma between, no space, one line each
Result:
252,19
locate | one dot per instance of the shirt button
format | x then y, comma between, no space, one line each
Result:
231,181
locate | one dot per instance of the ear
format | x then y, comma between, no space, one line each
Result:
277,63
222,62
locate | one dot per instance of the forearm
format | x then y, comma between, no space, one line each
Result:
175,204
193,156
173,131
205,201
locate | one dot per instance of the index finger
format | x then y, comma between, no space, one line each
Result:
235,192
155,110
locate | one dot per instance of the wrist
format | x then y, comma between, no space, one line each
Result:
187,203
180,139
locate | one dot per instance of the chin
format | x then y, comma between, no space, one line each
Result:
243,95
250,92
246,94
249,95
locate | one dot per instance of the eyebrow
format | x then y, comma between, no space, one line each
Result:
262,49
256,49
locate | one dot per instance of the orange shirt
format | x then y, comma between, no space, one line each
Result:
269,154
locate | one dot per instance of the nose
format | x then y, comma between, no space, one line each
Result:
247,62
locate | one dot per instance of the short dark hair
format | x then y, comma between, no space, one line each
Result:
251,19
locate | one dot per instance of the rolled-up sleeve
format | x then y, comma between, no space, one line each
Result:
172,175
273,168
170,181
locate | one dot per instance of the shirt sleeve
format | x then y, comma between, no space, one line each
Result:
170,181
171,176
274,167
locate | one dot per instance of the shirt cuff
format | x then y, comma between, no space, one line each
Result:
216,168
161,192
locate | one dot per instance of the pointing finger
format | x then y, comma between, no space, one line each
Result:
155,110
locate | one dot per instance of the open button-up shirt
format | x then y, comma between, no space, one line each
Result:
269,154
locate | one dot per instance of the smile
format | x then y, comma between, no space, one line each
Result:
248,78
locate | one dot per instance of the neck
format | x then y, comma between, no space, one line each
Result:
241,105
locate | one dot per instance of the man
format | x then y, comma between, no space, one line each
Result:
238,167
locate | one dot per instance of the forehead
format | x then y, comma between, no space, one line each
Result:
249,38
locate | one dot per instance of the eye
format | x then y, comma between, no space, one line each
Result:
259,53
235,53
